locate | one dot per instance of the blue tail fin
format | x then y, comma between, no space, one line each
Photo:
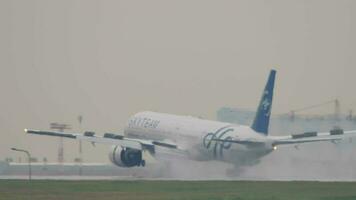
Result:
261,121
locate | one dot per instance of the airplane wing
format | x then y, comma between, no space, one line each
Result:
111,139
307,137
333,135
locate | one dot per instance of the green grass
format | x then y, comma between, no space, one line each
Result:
102,190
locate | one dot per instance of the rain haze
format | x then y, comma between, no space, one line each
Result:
106,60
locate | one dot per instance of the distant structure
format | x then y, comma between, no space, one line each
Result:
80,159
292,123
80,120
60,127
334,101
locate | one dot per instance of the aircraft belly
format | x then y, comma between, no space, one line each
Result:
241,156
237,154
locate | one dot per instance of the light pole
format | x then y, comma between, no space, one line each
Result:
29,160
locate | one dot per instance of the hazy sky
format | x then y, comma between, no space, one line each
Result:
109,59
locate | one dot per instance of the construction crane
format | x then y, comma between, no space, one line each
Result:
334,101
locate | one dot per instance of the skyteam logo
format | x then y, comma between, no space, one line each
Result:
266,105
210,141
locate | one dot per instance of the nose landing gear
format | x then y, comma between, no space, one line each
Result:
142,163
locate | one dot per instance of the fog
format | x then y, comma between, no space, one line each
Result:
106,60
318,161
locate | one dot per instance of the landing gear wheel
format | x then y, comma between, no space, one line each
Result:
143,163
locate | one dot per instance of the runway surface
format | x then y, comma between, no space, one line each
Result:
147,190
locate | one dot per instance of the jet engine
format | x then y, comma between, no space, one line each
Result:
126,157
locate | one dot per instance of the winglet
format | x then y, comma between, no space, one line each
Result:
261,121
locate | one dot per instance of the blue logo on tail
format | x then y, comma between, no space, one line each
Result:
261,121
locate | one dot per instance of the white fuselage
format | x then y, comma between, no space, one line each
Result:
196,136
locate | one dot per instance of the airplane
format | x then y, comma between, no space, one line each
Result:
148,133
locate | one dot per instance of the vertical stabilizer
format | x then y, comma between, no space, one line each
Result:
261,121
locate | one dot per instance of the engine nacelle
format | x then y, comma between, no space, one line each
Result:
126,157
